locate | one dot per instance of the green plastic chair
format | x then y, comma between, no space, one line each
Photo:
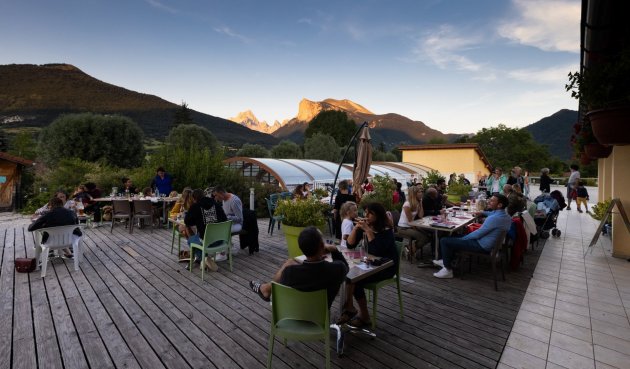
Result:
375,286
214,232
179,239
299,316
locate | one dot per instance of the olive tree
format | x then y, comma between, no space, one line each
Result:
113,139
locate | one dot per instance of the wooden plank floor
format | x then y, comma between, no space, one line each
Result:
132,305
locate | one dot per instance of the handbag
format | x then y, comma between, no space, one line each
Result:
25,265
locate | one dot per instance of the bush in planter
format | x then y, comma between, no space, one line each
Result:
302,213
459,189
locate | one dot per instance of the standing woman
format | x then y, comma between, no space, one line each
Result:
381,243
496,182
412,210
545,180
342,196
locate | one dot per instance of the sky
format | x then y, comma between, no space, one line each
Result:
456,65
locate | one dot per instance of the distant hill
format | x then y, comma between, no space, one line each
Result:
35,95
555,132
391,129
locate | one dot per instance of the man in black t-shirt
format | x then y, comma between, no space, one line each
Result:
204,210
314,273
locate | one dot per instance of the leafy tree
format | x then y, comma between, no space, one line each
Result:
182,116
23,145
378,155
114,139
286,150
381,147
397,153
192,135
333,123
321,146
508,147
462,139
253,151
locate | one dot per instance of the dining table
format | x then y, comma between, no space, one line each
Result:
154,199
454,219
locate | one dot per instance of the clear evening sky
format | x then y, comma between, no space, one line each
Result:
457,65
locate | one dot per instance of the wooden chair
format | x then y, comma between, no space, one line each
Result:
299,316
495,253
57,238
121,209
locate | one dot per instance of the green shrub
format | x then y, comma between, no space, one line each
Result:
302,213
431,178
383,193
459,189
599,210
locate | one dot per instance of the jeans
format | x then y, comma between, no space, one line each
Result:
195,239
450,245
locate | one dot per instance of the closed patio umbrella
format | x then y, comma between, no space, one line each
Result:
362,162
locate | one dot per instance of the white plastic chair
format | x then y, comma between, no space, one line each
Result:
58,238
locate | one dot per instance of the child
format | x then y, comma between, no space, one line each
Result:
582,197
347,212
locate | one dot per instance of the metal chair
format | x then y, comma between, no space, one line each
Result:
271,208
57,238
299,316
495,253
143,210
121,209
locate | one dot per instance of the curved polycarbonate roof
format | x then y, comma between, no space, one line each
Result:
288,173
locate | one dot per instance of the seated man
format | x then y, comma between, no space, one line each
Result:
481,240
55,217
233,208
314,273
442,195
203,210
431,202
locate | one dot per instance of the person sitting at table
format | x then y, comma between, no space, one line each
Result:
343,195
314,273
348,212
68,204
298,192
162,183
431,203
182,204
93,207
128,187
81,195
507,190
481,240
203,210
441,188
233,208
55,217
147,192
380,243
306,191
412,209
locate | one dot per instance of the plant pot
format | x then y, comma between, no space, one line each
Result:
291,236
585,159
597,151
611,126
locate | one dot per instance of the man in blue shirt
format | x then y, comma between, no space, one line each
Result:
162,183
481,240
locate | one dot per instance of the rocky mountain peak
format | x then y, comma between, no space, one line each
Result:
307,109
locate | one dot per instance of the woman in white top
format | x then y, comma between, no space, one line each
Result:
412,210
348,212
68,204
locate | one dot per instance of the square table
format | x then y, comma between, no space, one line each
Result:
450,225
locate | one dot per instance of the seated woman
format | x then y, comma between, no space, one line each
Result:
68,204
381,243
82,195
298,193
412,210
183,204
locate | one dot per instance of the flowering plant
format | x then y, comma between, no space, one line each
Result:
582,136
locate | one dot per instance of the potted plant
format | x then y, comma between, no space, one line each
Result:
585,144
297,215
604,89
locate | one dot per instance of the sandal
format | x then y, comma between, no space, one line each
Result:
346,316
255,286
357,322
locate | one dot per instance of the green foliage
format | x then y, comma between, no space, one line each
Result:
459,189
383,193
397,153
320,193
599,210
69,173
253,151
431,178
378,155
302,213
182,116
321,146
115,139
286,150
508,147
23,145
334,123
191,135
36,201
262,192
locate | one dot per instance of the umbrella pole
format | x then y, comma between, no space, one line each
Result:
334,184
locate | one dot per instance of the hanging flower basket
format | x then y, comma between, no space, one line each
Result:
610,126
597,151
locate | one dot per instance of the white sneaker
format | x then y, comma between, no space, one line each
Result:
438,263
221,256
443,273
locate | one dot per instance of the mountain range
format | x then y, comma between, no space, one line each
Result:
35,95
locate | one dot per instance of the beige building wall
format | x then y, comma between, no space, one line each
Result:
620,185
447,161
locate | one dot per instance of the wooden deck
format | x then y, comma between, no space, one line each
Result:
133,306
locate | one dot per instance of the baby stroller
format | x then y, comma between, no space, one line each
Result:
549,206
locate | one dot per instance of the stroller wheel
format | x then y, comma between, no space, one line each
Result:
544,235
558,233
553,232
